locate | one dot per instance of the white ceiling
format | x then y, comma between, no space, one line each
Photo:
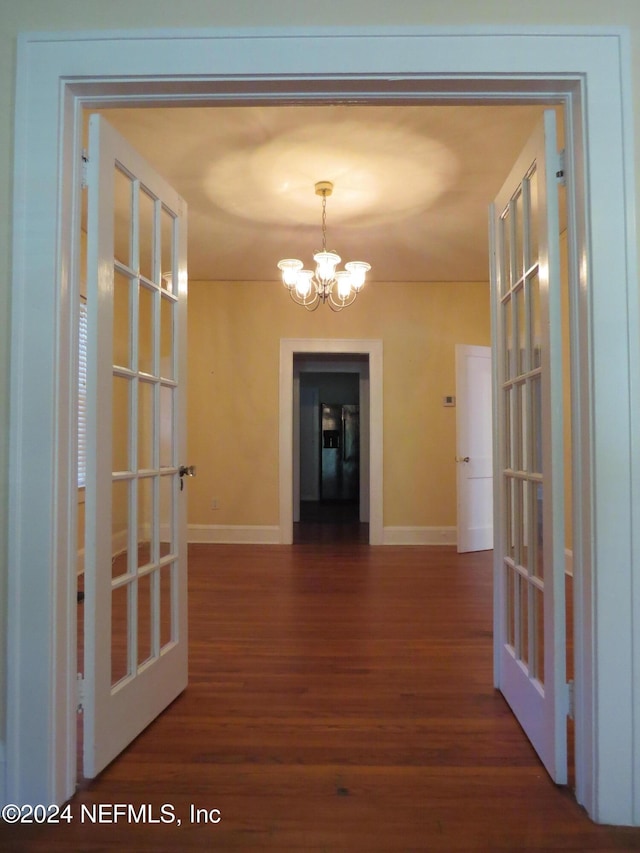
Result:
412,183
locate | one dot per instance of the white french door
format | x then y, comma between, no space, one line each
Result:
529,629
474,449
135,628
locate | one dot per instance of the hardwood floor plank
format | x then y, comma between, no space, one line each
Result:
340,699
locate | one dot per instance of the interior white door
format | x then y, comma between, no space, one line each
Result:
135,629
474,449
529,629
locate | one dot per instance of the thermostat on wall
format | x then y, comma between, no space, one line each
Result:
448,401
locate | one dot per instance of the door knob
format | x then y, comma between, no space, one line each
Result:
186,471
462,458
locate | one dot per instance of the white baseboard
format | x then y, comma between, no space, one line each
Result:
568,561
254,534
231,534
234,534
419,536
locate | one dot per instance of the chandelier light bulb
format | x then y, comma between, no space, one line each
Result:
326,263
304,283
344,284
358,270
325,284
290,268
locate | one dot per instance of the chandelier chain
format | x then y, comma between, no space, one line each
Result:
324,222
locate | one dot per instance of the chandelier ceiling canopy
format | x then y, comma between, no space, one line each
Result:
337,288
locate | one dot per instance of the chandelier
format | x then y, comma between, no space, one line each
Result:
337,288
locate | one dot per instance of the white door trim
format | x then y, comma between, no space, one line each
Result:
340,346
58,73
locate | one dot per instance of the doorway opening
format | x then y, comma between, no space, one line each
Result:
361,357
331,428
331,438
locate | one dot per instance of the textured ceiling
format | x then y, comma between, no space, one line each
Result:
412,183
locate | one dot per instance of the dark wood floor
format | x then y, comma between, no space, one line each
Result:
328,522
340,700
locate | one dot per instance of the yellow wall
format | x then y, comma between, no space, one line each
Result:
234,351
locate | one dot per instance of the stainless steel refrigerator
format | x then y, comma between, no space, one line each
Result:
340,452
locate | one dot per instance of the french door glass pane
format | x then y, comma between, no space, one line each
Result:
122,217
509,361
166,337
525,533
120,514
167,520
518,215
166,426
521,426
120,627
522,361
145,520
535,322
510,599
120,444
121,320
505,226
535,397
167,594
537,568
538,610
167,248
523,653
509,451
145,622
532,185
145,331
145,424
146,233
511,510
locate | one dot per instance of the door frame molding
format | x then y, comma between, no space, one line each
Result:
330,346
59,74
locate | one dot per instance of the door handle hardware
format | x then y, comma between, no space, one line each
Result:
186,471
462,458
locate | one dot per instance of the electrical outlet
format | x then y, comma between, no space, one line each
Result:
214,503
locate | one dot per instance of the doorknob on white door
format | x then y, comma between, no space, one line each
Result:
462,458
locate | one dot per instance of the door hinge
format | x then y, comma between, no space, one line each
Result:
561,171
80,693
571,700
84,167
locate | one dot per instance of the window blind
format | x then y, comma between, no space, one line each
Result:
82,396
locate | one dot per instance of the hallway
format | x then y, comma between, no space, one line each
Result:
329,522
340,700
